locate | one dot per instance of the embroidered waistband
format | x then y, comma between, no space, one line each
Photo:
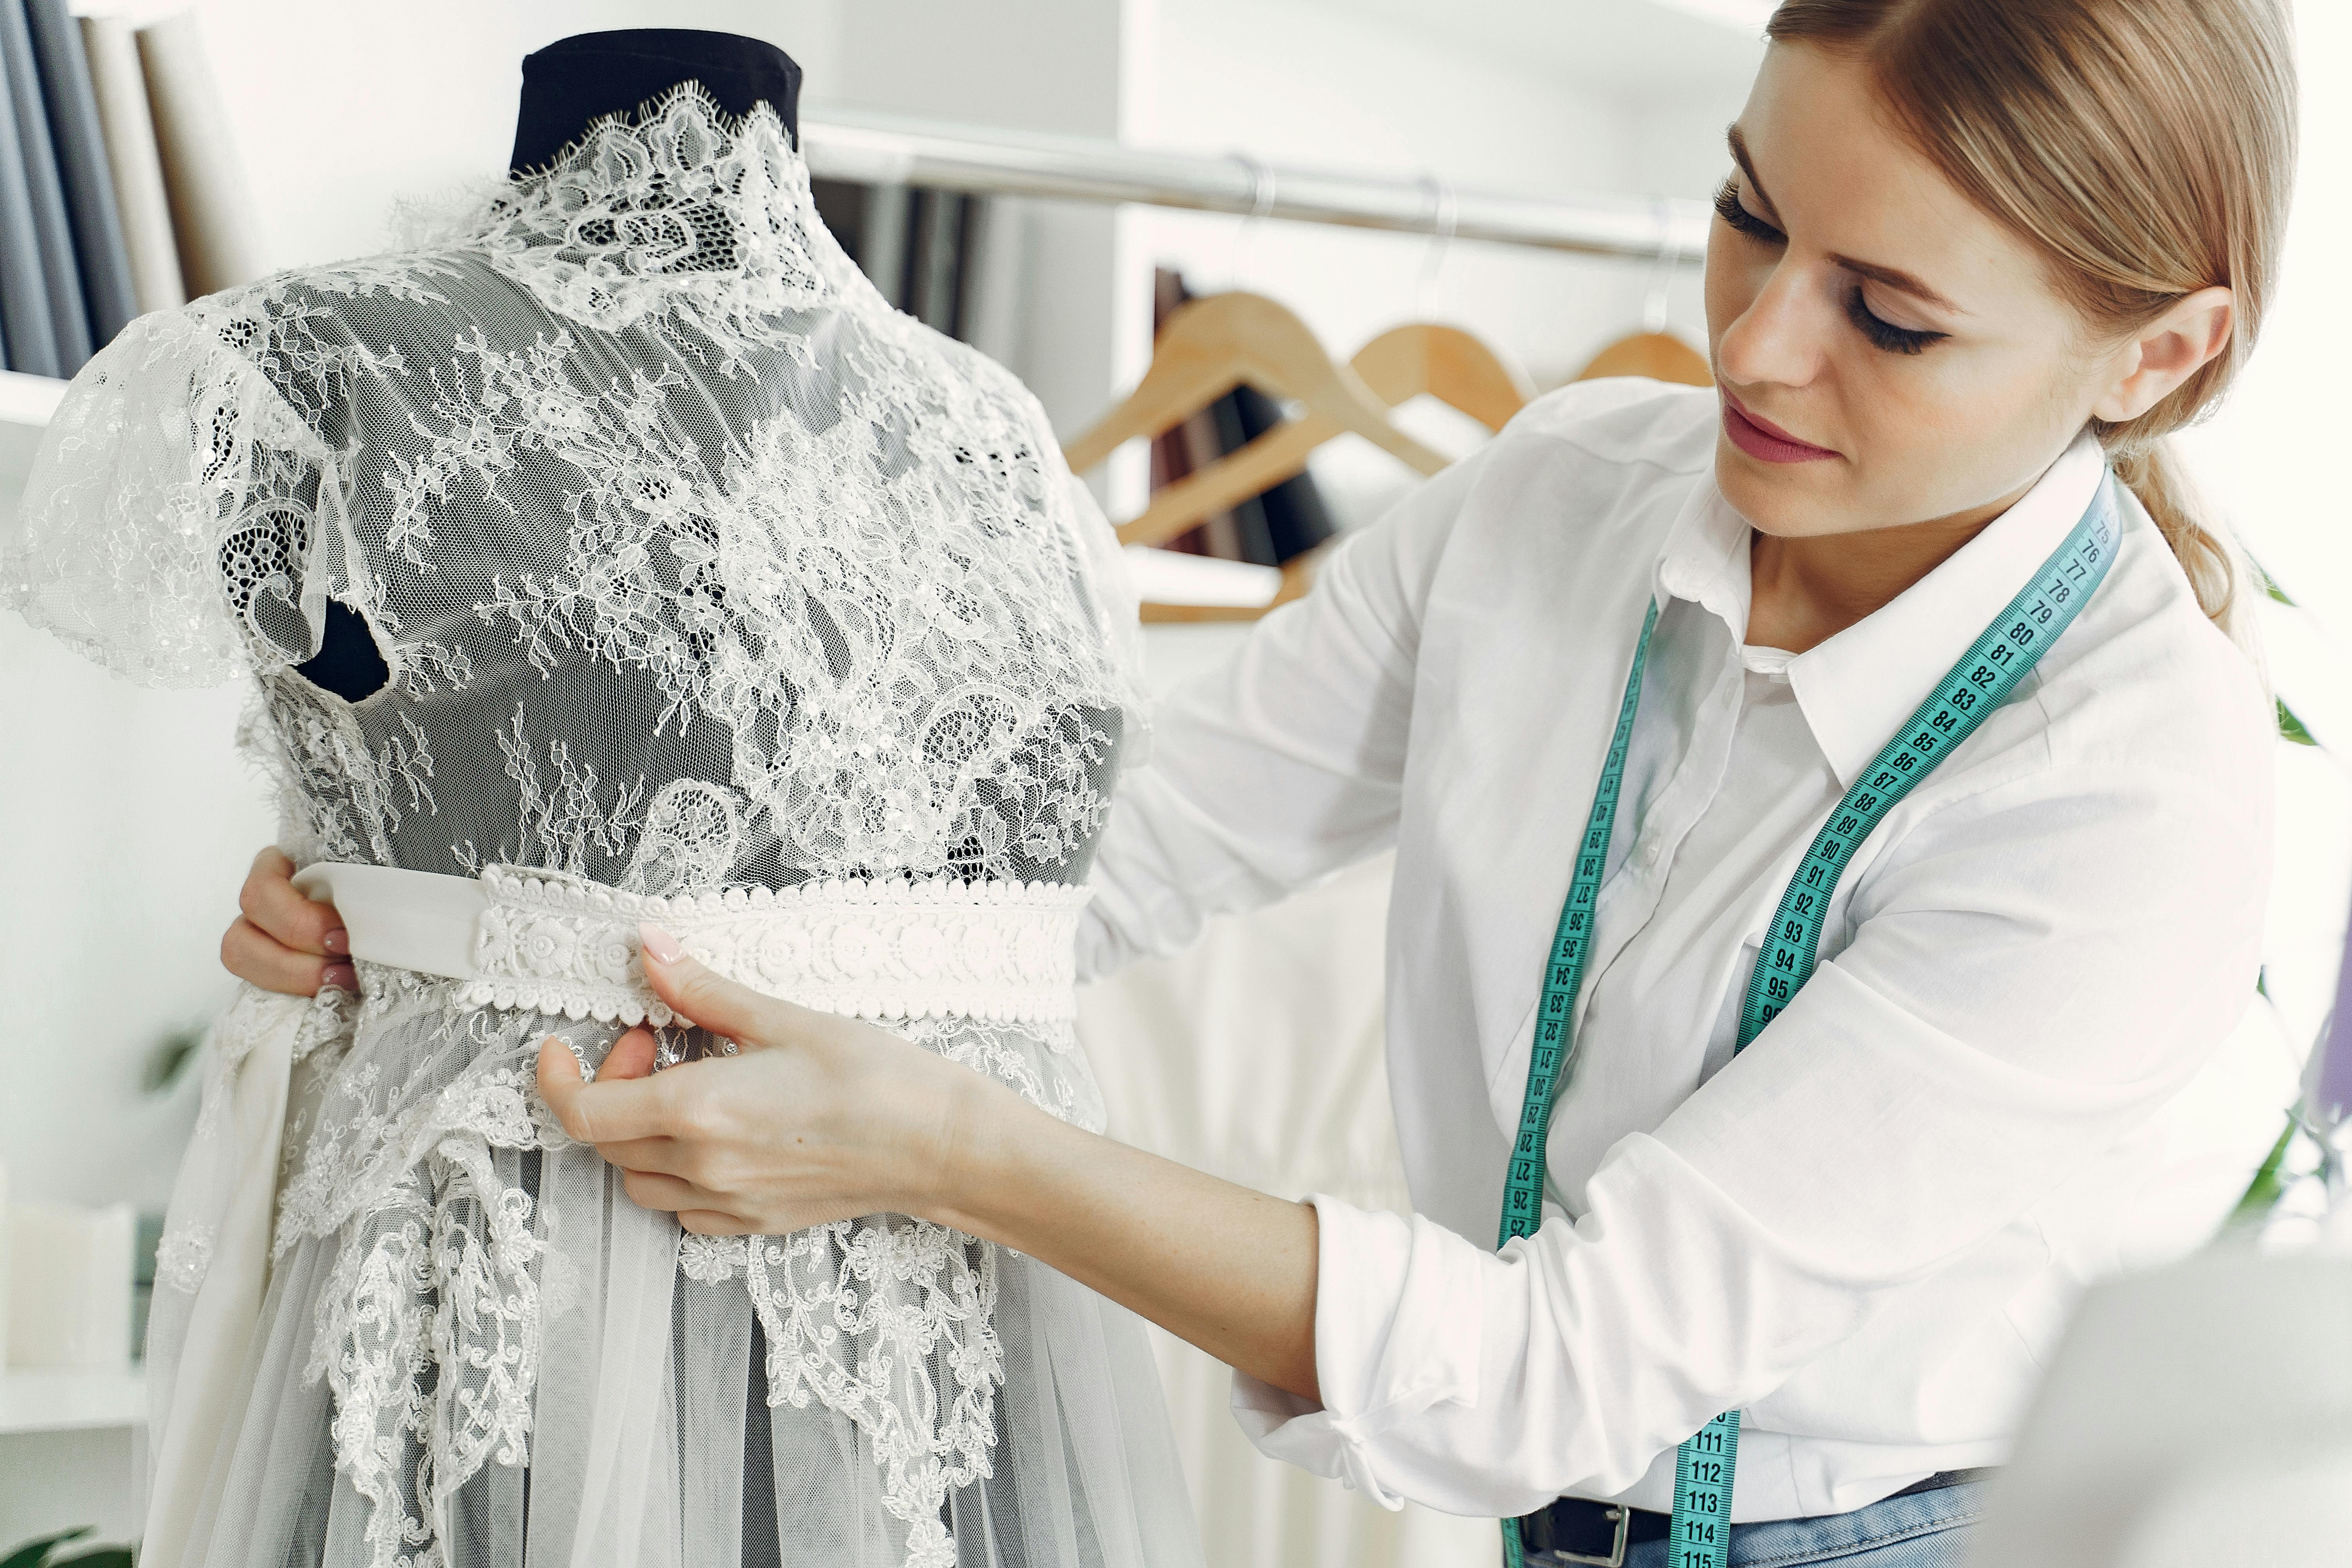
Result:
887,948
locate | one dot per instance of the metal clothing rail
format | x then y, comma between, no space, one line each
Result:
885,150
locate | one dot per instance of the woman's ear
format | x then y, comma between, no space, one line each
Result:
2167,352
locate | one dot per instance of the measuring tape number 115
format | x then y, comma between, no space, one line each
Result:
1700,1533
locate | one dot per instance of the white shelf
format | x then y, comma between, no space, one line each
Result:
27,401
70,1400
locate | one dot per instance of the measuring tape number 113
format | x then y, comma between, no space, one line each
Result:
1700,1533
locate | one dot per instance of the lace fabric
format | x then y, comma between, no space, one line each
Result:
896,948
698,574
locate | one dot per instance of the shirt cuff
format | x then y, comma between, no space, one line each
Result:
1382,1281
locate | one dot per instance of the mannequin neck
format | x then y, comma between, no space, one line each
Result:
572,84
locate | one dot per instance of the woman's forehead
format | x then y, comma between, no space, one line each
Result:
1840,176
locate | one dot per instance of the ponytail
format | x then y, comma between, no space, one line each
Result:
2224,580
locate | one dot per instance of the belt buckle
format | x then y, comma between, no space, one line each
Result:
1624,1518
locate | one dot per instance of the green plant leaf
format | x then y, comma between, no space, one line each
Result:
167,1061
2270,584
33,1553
2291,728
103,1557
2263,1191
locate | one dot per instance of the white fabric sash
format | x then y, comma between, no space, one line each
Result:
889,948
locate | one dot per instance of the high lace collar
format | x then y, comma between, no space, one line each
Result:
684,207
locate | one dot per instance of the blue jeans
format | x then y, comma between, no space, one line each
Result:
1926,1530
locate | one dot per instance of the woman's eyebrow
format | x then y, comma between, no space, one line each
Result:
1896,279
1892,277
1747,167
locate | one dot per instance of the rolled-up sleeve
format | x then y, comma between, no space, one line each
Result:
2034,969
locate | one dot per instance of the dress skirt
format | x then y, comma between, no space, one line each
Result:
474,1351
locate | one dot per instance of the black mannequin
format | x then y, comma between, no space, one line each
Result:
567,87
576,80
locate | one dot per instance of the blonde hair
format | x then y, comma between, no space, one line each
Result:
2145,148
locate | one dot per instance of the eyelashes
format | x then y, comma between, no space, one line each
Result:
1881,333
1727,208
1885,335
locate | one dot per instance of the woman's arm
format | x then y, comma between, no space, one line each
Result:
1285,763
823,1118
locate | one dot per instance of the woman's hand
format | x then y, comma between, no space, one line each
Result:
818,1118
281,939
821,1118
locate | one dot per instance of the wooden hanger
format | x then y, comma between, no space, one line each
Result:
1211,346
1398,366
1661,356
1450,365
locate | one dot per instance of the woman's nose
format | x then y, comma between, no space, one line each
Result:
1781,338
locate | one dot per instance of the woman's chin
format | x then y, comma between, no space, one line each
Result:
1789,500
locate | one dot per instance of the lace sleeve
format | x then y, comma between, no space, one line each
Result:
169,513
1117,610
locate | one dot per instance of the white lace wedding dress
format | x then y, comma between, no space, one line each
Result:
708,589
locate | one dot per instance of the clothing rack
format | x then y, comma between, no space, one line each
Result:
888,149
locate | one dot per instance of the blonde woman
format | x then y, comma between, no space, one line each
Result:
1832,820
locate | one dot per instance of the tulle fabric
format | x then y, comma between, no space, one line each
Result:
596,1387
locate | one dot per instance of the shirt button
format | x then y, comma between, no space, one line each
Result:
1649,853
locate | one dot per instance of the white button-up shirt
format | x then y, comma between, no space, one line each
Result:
2008,1074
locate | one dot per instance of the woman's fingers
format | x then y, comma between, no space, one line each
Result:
652,1190
603,1112
659,1156
632,1056
709,1222
278,910
253,955
715,1002
688,1203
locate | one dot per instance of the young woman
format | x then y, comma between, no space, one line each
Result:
1902,644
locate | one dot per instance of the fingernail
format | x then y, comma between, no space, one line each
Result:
660,946
343,977
337,942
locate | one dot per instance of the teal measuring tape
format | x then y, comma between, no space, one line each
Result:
1700,1533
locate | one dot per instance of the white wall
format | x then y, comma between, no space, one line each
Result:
2271,461
125,827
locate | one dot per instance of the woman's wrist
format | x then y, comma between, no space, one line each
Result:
978,1143
1177,1245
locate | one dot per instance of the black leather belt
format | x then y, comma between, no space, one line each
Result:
1576,1531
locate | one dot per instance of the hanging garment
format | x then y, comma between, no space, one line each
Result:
649,566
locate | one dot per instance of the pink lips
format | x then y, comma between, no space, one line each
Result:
1763,440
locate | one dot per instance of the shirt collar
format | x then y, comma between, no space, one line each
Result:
1705,558
1858,687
